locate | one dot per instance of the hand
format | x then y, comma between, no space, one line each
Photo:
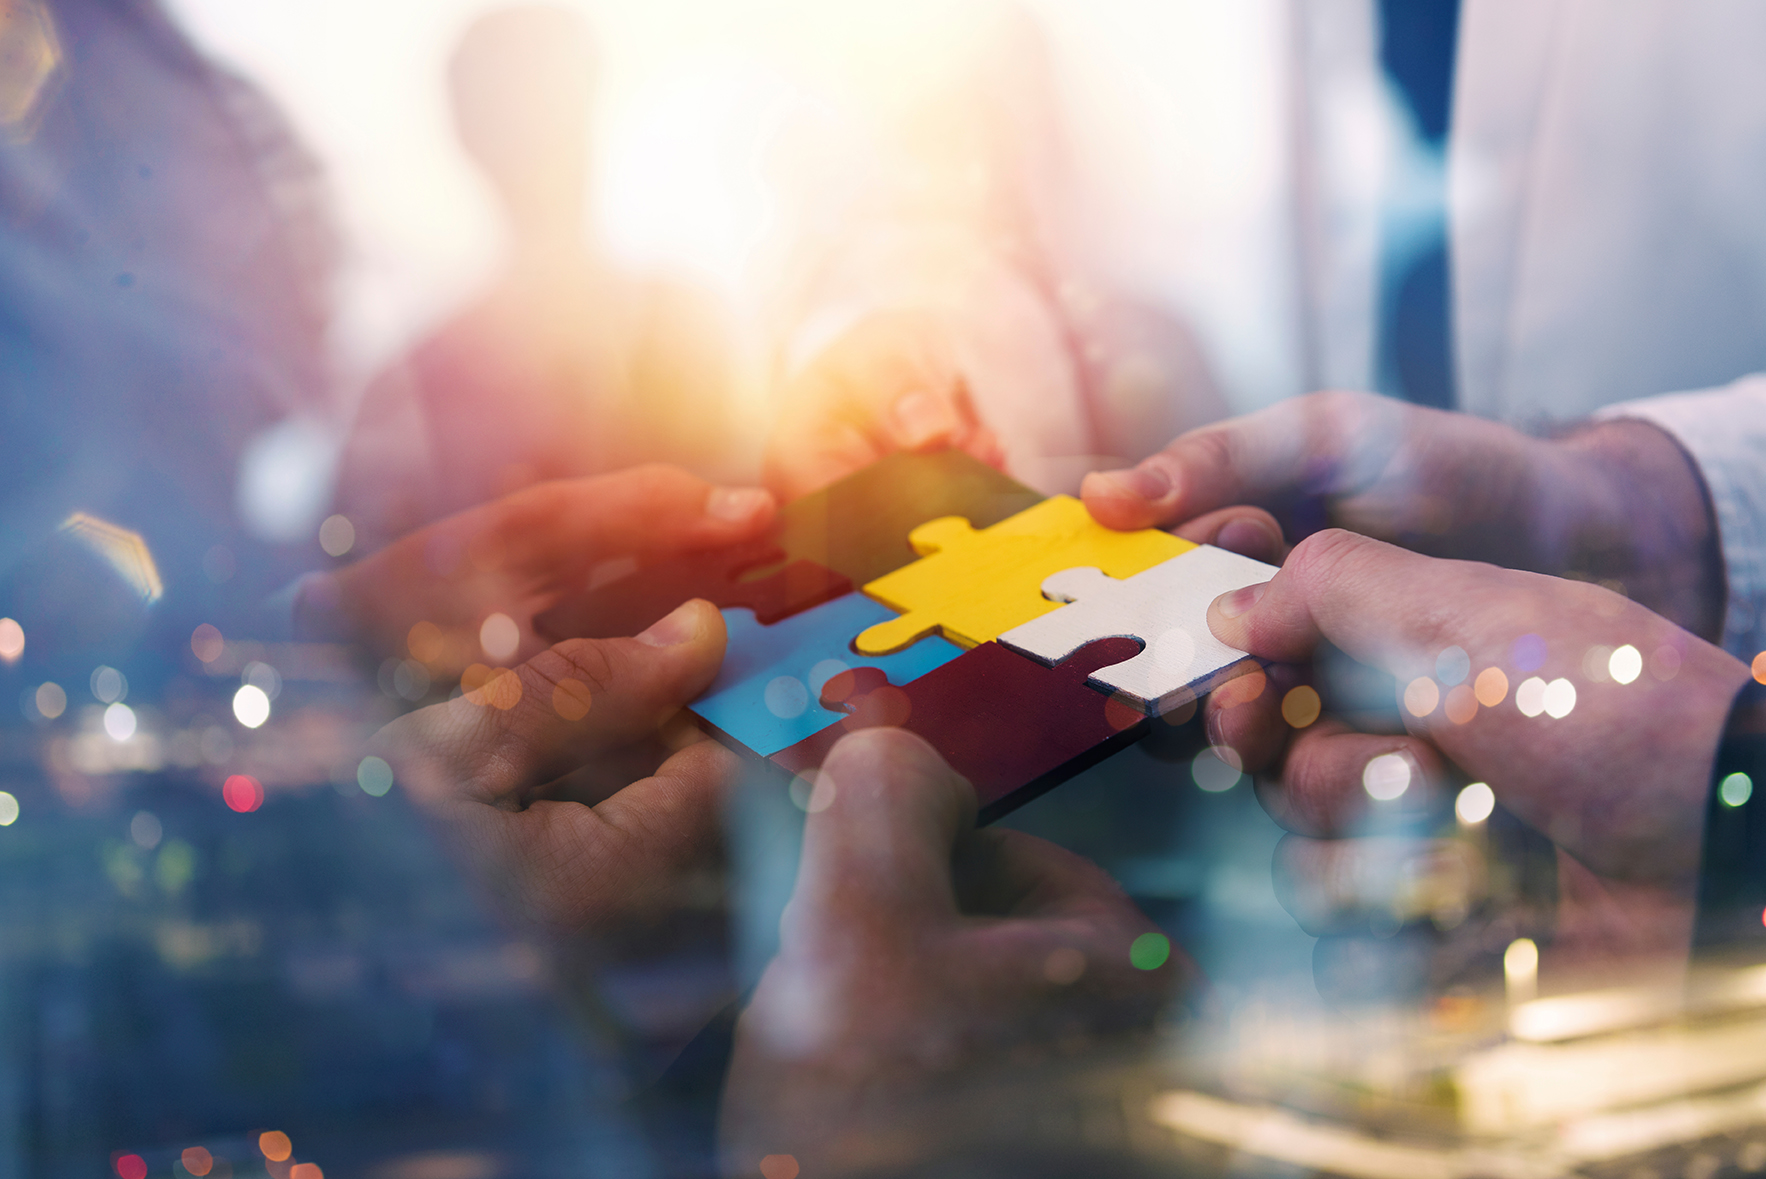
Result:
517,556
1618,783
915,947
573,785
890,384
1614,501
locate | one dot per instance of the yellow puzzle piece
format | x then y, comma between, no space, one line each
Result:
971,586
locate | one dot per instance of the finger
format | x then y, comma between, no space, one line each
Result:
570,865
1007,873
877,844
566,706
1252,716
1333,779
1379,603
1250,532
1333,887
1323,444
644,511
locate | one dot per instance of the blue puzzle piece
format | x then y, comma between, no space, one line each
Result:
767,694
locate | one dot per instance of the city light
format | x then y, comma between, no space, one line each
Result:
12,641
1474,804
251,706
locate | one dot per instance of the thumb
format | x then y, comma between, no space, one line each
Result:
1382,605
885,815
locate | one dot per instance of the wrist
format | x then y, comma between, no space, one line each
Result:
1632,508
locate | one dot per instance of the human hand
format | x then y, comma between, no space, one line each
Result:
1613,501
915,950
1618,781
516,556
892,383
573,786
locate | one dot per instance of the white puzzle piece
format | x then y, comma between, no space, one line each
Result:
1166,607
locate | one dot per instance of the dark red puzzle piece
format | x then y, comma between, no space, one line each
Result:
1011,726
630,604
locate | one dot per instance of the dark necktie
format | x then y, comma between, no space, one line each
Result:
1417,43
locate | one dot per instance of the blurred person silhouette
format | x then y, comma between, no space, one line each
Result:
570,364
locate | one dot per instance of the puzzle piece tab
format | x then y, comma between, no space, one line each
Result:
629,605
1011,726
766,694
1166,607
970,586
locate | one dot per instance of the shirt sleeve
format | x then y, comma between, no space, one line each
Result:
1724,430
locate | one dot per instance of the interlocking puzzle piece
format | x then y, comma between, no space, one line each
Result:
1166,607
1011,726
766,694
630,604
972,585
859,526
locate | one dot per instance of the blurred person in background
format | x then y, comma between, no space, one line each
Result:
571,364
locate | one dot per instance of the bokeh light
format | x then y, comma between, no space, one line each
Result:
119,722
8,808
1386,777
30,54
1149,951
251,706
12,641
1064,966
500,637
1301,706
1462,704
778,1166
131,1166
1475,803
1735,789
571,699
1664,663
814,792
207,642
1530,696
374,776
275,1145
337,536
786,696
425,642
1625,665
1559,698
305,1171
1595,663
51,700
242,793
1421,696
1491,687
1520,969
197,1161
108,684
501,690
1452,666
1527,653
145,830
1217,769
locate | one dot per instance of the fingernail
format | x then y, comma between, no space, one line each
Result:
735,504
1148,483
922,419
1246,538
679,627
1240,600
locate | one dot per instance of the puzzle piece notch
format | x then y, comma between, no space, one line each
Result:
629,605
1166,607
1013,727
765,694
973,584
